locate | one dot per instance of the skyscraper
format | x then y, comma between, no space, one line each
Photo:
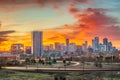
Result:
110,46
72,47
95,44
105,42
67,44
85,46
37,43
57,46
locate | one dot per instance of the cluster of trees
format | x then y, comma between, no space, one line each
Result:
67,61
9,63
40,61
98,62
110,59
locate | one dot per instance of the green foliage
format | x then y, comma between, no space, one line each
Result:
64,61
98,62
27,60
33,61
13,63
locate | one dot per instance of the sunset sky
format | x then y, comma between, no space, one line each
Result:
78,20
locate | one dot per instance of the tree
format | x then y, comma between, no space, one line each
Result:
100,65
43,62
2,63
33,61
54,60
64,61
13,63
27,60
40,61
98,62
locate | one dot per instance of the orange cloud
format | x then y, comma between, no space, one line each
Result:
90,23
73,10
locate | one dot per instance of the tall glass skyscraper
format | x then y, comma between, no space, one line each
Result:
105,42
95,44
37,43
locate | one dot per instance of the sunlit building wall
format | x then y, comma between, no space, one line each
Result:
17,48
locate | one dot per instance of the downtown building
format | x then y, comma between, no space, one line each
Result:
85,46
105,42
28,50
37,43
17,49
59,46
72,48
95,44
67,44
105,47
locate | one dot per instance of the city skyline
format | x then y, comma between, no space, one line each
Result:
78,20
39,49
94,43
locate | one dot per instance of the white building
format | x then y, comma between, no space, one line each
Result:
102,48
37,43
72,47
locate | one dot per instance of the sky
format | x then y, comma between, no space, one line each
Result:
78,20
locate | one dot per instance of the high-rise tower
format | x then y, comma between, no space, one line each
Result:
67,44
37,43
105,42
95,44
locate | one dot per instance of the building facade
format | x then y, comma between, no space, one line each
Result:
95,44
37,43
17,48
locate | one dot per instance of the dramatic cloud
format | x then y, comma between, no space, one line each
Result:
6,32
15,5
40,1
73,10
90,22
3,35
93,20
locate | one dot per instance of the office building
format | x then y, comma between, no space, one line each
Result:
17,48
95,44
37,43
72,47
105,42
51,47
67,44
110,46
59,46
28,50
102,48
